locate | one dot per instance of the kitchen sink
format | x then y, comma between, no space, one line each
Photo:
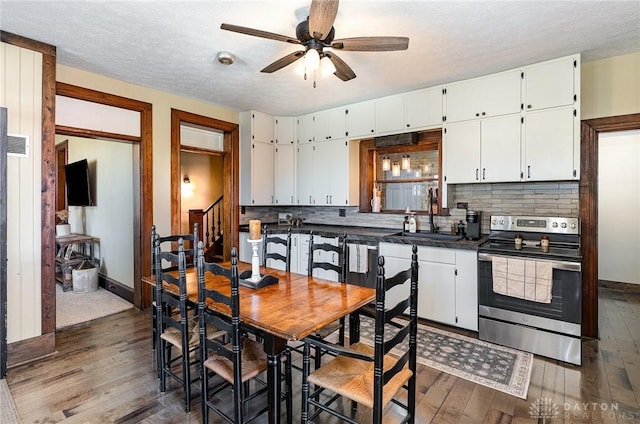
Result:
430,236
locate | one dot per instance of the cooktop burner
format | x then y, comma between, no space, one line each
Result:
563,235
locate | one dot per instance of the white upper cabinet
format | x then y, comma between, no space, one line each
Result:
549,137
485,150
305,174
330,124
551,133
500,149
285,160
493,95
462,152
257,160
550,84
423,108
262,127
390,114
285,129
361,119
305,128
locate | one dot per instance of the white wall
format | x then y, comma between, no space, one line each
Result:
162,104
21,94
619,206
111,219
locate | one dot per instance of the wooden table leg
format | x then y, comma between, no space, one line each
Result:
274,346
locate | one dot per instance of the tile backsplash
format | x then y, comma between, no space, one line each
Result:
539,199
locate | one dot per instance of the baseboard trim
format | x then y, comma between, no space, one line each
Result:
28,350
616,285
116,288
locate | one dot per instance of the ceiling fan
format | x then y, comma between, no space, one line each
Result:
315,34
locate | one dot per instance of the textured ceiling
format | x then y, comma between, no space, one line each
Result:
171,45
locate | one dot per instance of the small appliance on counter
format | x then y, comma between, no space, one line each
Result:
474,225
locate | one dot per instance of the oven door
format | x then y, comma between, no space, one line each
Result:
566,293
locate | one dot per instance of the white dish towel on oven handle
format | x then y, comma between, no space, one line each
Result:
522,278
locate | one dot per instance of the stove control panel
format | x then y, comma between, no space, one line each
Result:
537,224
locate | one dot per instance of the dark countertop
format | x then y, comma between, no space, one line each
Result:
370,235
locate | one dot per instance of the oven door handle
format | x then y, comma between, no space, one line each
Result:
562,265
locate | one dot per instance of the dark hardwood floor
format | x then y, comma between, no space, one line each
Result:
103,372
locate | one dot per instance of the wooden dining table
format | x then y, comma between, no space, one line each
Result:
297,306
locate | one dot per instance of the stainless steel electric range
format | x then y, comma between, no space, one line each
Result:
549,327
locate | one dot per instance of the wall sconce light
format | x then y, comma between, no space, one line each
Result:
406,162
386,163
186,180
395,169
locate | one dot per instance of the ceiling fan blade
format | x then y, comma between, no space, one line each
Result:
372,44
321,17
259,33
343,71
283,61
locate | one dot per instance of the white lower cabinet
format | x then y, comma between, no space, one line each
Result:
447,282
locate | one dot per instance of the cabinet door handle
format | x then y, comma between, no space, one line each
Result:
528,171
484,113
291,199
309,199
477,174
477,114
528,106
483,174
331,199
326,200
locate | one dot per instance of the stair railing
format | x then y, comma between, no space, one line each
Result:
210,220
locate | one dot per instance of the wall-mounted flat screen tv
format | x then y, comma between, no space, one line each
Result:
78,183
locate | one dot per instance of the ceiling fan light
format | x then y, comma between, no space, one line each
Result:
327,67
312,60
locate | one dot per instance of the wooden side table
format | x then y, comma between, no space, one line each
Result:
71,251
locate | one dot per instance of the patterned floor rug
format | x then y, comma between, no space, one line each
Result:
498,367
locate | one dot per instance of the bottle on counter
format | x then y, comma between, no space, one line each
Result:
518,242
460,229
405,224
544,244
413,223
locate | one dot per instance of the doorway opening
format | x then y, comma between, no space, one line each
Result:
224,159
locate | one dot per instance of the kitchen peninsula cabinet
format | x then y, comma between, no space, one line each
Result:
484,150
447,281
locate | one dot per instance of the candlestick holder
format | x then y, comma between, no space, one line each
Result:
255,260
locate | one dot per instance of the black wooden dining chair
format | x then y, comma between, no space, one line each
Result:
174,326
370,375
235,363
168,244
329,257
273,246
